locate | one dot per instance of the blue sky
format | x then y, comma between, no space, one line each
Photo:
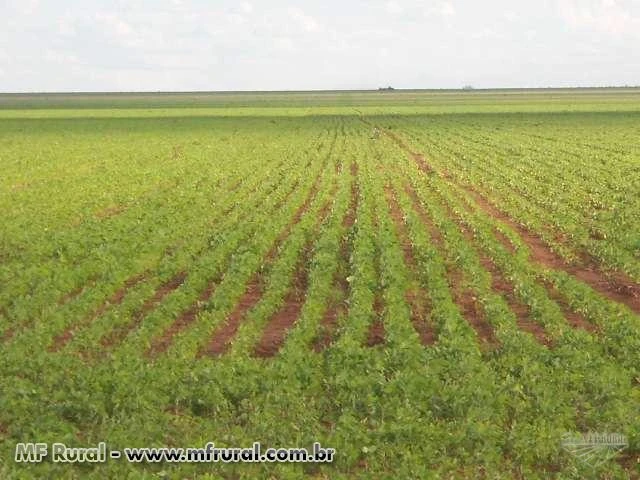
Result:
144,45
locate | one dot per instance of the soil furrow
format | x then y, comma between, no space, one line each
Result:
616,286
500,285
254,291
417,298
7,335
71,295
189,316
575,319
338,307
278,326
522,312
376,333
65,337
117,335
161,344
465,298
222,336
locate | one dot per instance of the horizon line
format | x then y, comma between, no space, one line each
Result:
466,89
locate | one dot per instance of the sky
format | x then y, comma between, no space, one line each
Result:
190,45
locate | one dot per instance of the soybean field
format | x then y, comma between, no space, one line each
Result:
434,284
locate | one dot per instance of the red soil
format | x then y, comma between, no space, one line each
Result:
575,319
522,311
276,330
278,326
189,316
117,335
615,286
7,335
471,308
416,298
376,333
182,322
65,337
71,295
465,299
504,240
329,321
222,336
434,233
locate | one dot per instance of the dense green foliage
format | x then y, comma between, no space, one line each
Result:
129,238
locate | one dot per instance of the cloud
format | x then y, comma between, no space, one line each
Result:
443,10
394,7
601,16
511,16
24,7
447,9
285,44
66,26
192,44
60,57
113,24
307,22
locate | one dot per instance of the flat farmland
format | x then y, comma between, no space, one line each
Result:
435,284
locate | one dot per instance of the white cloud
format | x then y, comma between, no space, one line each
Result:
285,44
511,16
603,16
487,33
307,22
24,7
66,26
113,24
394,7
447,9
60,57
189,44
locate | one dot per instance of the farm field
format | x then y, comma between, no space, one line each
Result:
437,285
